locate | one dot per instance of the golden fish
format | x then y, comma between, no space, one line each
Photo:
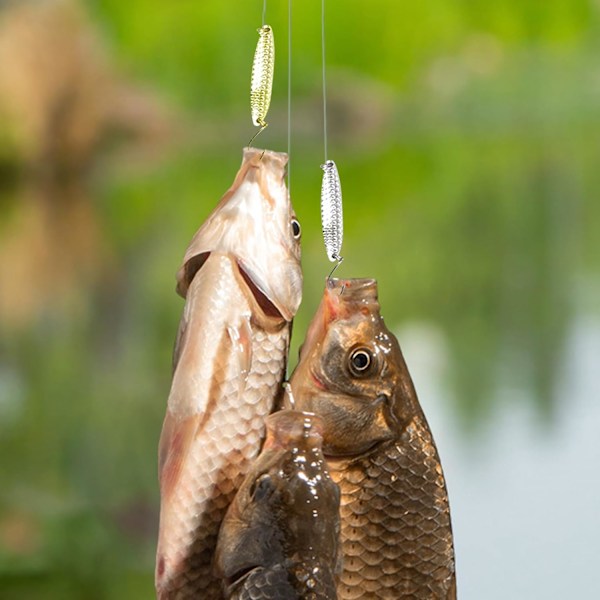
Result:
280,538
396,531
241,279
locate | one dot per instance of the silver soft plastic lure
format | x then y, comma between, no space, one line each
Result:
332,218
262,76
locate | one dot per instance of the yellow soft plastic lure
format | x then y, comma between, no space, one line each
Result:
262,76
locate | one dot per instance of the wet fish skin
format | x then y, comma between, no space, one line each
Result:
396,530
280,538
229,362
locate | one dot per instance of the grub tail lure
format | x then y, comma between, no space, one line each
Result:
331,211
262,76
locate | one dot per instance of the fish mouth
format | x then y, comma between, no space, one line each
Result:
266,305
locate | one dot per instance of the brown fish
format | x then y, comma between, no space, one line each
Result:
280,538
396,531
242,280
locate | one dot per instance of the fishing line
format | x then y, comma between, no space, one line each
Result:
324,77
289,97
261,84
331,190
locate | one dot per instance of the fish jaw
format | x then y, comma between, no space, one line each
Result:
253,222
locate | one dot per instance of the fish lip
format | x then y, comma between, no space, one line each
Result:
268,305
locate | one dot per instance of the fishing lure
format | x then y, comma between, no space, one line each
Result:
331,211
262,76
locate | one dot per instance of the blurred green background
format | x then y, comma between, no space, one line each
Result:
467,139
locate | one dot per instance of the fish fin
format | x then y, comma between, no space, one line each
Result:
175,439
240,337
179,341
452,590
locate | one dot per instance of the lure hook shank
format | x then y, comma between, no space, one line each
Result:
332,218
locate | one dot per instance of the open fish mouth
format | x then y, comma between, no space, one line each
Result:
268,308
266,305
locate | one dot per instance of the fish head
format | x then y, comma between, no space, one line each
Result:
255,223
288,506
351,371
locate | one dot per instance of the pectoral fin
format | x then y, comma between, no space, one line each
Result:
175,440
240,347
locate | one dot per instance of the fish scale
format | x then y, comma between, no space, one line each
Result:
396,493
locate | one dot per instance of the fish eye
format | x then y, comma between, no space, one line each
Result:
296,231
360,361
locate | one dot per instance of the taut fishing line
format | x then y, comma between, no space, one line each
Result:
331,190
289,96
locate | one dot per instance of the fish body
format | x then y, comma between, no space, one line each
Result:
280,538
396,530
241,280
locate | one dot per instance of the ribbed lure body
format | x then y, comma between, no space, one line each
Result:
262,76
332,219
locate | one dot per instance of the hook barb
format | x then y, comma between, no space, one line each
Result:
338,261
263,126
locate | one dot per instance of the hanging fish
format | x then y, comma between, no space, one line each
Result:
280,538
396,531
331,211
241,280
263,68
